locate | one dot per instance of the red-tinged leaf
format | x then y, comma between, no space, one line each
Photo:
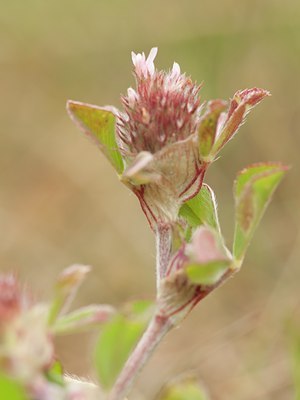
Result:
208,126
243,101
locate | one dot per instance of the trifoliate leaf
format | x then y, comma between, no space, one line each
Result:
99,124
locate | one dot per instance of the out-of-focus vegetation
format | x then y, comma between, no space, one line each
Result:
59,197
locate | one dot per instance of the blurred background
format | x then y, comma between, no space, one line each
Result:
61,203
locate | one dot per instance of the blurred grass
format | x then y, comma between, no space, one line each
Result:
59,198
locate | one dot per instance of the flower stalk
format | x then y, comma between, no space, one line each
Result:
153,335
163,251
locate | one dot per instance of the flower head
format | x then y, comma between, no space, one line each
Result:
164,108
13,298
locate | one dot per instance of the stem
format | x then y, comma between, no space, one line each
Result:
163,251
156,330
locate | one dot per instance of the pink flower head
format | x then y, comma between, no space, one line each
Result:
157,136
164,108
13,299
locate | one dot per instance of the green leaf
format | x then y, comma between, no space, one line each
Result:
201,209
208,273
116,342
99,124
11,390
55,374
141,308
253,191
82,319
188,390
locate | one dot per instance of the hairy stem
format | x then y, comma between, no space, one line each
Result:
163,250
156,330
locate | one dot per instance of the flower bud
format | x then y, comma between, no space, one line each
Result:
194,271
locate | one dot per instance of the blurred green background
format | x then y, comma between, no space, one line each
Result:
61,203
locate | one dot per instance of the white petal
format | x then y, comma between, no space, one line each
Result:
132,96
175,70
150,60
133,57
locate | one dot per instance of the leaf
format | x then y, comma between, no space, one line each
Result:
253,191
208,126
201,209
11,390
55,373
188,390
208,258
243,101
99,124
116,341
82,319
66,288
141,309
207,274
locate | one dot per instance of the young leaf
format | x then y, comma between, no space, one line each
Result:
208,259
116,341
188,390
11,390
99,124
253,191
201,209
243,101
208,126
55,373
82,319
207,274
66,288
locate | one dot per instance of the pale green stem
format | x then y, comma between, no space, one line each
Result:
156,330
163,251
